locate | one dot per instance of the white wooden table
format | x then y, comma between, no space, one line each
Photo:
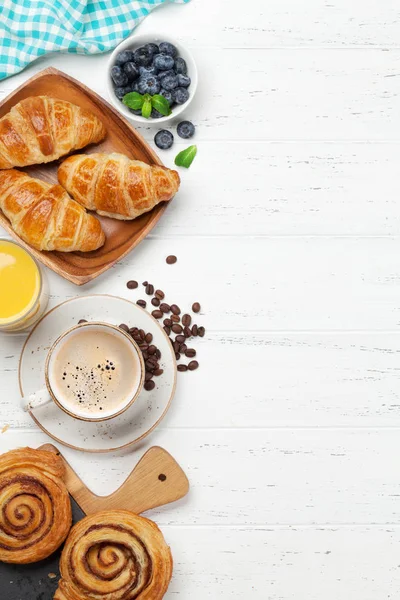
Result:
287,232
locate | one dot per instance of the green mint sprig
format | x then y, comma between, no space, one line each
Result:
146,103
186,157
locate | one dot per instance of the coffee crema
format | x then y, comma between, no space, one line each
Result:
94,373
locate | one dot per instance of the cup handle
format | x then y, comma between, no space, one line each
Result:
35,400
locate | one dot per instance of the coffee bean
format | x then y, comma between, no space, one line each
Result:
182,368
142,333
157,314
148,376
171,259
180,339
149,365
193,365
132,285
124,327
176,346
145,283
82,321
158,372
201,331
155,302
194,330
165,308
182,348
141,303
149,289
167,329
175,309
149,385
196,307
177,356
167,322
158,353
175,318
159,294
149,338
187,332
177,328
190,352
144,347
152,349
186,320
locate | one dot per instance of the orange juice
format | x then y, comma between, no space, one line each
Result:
22,294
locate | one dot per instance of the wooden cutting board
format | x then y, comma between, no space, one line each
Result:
156,480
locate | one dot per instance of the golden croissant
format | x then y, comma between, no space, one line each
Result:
35,509
40,129
115,186
114,555
45,217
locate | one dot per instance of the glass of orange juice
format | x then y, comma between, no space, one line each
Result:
23,288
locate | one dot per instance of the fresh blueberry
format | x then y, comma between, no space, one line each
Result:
123,57
180,66
163,62
149,85
131,71
164,139
135,86
155,114
170,82
121,91
163,74
152,49
147,71
185,129
136,111
167,48
118,76
184,80
143,57
167,95
181,95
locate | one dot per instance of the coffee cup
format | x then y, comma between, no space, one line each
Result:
93,371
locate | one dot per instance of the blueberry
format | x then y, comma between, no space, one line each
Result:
180,66
164,139
123,57
163,62
170,82
121,91
131,71
163,74
119,77
184,80
185,129
149,85
152,49
148,71
136,111
135,86
167,48
167,95
143,57
155,114
181,95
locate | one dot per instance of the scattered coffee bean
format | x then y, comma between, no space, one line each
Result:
158,372
167,330
148,376
149,385
201,331
141,303
196,307
194,330
157,314
149,289
175,318
187,333
182,348
145,283
82,321
132,285
177,328
149,338
193,365
124,327
176,346
171,259
186,320
142,333
167,322
165,308
177,356
180,339
159,294
152,349
182,368
155,302
190,352
175,309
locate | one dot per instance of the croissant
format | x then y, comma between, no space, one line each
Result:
35,509
114,555
40,129
44,216
115,186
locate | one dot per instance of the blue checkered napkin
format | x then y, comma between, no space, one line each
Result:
32,28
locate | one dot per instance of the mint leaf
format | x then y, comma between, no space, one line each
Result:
133,100
146,108
186,157
161,104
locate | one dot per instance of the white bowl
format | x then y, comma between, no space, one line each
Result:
134,42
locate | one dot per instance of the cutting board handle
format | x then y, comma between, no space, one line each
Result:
156,480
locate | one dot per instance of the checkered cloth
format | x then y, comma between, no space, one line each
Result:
31,28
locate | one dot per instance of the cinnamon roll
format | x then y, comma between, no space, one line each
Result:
35,509
114,555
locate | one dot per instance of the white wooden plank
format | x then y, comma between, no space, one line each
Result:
263,477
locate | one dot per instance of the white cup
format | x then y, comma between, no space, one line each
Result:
49,394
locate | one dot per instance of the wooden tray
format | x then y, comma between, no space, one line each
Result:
156,480
121,236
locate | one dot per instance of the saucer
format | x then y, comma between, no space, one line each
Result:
138,420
